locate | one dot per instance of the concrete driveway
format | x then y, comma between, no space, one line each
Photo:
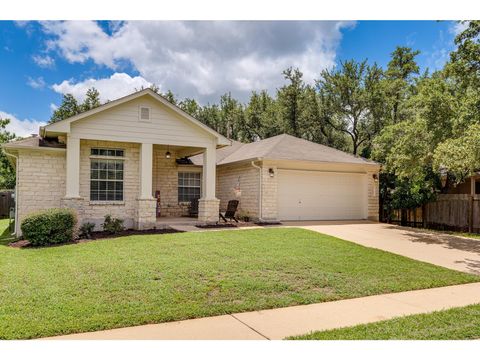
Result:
449,251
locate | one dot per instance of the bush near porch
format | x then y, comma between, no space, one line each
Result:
156,278
49,227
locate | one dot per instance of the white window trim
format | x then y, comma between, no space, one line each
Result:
187,171
106,202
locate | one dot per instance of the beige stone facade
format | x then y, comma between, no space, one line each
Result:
41,185
250,201
269,191
95,211
373,195
208,211
246,178
165,180
41,180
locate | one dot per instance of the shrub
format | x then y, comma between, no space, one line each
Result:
112,225
52,226
86,230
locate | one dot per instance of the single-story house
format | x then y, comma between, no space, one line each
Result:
140,157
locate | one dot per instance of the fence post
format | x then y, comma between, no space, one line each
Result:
470,204
424,215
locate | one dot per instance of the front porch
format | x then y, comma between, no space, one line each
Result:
157,183
176,183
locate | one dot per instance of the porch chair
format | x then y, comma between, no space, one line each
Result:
231,210
193,209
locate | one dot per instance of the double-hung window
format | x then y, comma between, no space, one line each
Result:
189,186
106,174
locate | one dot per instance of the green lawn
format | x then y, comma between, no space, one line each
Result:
155,278
455,324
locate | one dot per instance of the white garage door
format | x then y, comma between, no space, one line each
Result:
317,195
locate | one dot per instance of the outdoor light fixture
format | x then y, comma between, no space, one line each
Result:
271,172
443,175
167,154
375,177
237,189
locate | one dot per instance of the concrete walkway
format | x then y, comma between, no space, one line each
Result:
453,252
297,320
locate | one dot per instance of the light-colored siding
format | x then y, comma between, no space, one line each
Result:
121,123
227,179
41,181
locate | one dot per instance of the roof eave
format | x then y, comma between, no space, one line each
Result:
63,126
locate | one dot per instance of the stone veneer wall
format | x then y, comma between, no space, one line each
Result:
269,192
373,196
41,181
227,179
165,179
94,211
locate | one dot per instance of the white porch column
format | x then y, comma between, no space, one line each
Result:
209,173
146,164
73,168
146,204
208,205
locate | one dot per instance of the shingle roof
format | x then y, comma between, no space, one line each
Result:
31,141
283,147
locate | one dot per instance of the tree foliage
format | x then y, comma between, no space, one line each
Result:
71,107
7,172
410,122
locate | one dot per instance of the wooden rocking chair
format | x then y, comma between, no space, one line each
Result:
231,210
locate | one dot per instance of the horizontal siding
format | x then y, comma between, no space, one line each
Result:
121,123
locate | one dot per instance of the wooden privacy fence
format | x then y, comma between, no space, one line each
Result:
6,202
458,212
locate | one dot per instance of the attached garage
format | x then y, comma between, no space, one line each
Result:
321,195
287,178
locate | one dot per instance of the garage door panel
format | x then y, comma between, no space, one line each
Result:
316,195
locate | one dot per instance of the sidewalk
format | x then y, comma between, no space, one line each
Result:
297,320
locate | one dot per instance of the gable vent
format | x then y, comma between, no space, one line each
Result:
144,113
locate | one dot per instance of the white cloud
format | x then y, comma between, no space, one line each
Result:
37,83
202,59
111,88
19,127
458,27
53,107
44,61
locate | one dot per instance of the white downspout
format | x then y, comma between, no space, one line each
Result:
260,183
16,194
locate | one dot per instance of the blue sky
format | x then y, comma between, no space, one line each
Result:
41,61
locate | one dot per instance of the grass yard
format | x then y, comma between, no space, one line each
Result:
454,324
155,278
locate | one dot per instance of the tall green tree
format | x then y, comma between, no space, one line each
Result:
7,172
399,81
92,100
461,155
231,117
170,96
260,117
288,98
347,90
69,107
190,106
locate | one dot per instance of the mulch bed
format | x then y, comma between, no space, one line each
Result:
216,226
98,235
268,223
105,235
